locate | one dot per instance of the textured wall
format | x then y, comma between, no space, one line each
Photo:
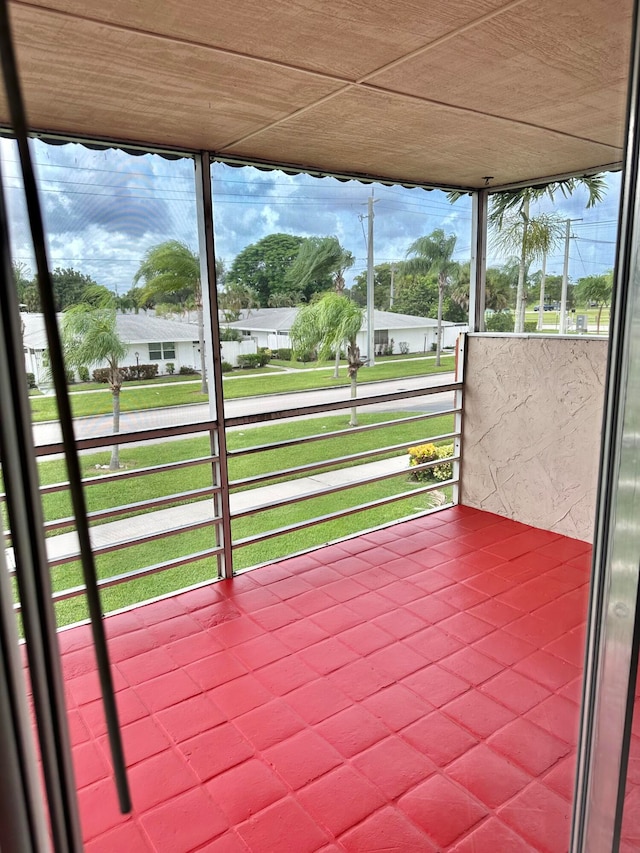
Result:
531,429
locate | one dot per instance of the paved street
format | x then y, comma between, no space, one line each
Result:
99,425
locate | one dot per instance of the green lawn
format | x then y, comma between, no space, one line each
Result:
118,562
264,381
105,494
111,493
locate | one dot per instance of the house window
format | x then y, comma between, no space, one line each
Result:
158,351
381,336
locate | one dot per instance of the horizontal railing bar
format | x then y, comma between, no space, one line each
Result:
332,516
321,436
136,437
135,472
340,460
341,487
138,540
359,402
123,509
116,580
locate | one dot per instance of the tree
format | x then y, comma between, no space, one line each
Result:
381,286
416,295
172,269
595,288
320,258
433,254
90,337
69,287
326,325
262,266
235,298
530,235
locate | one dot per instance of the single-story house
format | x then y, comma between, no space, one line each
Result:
270,327
149,340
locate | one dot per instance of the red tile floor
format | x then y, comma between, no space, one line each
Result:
413,689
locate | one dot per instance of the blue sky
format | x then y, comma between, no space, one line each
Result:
104,209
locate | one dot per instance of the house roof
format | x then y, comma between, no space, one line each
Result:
462,93
133,329
281,319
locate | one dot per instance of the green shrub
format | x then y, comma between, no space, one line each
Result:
226,367
230,334
430,453
83,373
404,348
171,368
185,370
31,380
531,326
265,355
283,353
101,374
500,321
251,360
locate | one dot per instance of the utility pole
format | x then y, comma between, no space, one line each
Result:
543,279
391,293
371,359
565,277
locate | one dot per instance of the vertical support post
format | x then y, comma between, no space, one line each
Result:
565,279
613,636
371,335
204,205
477,283
458,401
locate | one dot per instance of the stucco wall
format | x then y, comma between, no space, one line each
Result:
531,429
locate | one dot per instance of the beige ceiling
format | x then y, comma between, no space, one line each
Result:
426,91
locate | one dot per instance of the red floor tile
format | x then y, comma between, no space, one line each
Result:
540,816
414,688
442,809
440,738
385,826
529,746
489,777
245,790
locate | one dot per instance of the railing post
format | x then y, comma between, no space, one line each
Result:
477,282
213,354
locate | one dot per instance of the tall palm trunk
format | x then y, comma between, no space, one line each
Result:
354,363
203,366
522,271
114,462
441,284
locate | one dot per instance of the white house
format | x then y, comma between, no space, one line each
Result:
149,340
269,327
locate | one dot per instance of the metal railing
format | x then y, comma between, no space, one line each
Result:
251,496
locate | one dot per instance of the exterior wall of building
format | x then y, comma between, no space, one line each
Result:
531,429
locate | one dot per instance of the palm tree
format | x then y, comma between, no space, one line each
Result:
511,206
433,254
532,237
327,324
317,259
172,268
90,337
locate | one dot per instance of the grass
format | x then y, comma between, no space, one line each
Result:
256,383
73,610
112,493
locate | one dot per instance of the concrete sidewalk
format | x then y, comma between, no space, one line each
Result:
161,521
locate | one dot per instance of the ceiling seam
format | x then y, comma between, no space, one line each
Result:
489,16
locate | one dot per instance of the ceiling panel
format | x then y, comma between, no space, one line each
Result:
136,87
532,63
348,38
421,142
